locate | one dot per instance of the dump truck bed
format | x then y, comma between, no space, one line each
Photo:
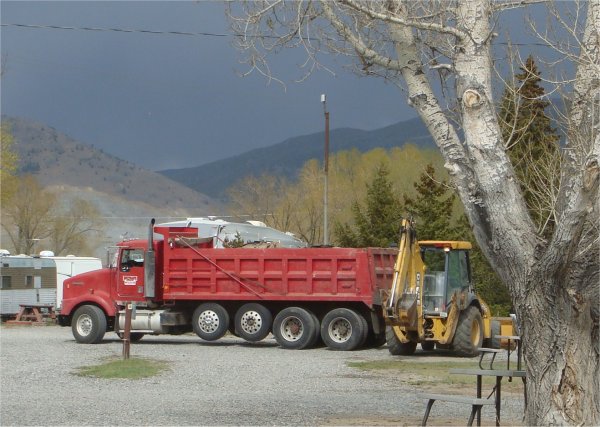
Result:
302,274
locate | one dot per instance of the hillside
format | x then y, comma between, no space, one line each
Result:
56,159
287,157
126,195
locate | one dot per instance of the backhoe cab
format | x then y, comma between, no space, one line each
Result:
432,300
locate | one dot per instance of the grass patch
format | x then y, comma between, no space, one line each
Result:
133,369
432,373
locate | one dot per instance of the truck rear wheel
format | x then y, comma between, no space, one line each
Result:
295,328
253,322
344,329
133,336
89,324
468,337
397,347
210,321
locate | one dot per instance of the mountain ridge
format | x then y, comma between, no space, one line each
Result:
55,158
287,157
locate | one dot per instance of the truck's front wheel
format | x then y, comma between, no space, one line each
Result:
89,324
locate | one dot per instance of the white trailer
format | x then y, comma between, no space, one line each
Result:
69,266
29,280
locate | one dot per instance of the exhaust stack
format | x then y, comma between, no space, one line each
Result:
150,264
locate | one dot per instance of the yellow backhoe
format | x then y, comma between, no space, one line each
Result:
432,300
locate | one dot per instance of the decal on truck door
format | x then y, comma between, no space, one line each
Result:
130,280
131,274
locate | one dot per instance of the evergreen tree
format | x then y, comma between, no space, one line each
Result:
377,224
532,144
431,207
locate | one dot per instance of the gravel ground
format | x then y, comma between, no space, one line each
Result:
227,382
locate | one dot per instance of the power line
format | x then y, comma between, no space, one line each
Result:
188,33
119,30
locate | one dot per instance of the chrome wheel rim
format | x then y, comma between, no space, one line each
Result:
251,322
208,321
84,325
291,328
340,330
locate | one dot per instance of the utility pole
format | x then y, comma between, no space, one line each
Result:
326,170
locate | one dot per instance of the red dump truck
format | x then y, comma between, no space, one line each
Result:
181,283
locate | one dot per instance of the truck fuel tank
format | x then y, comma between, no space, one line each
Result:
152,321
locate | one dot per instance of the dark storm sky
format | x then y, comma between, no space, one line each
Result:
167,101
172,101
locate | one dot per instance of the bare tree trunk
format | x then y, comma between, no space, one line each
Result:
554,284
558,322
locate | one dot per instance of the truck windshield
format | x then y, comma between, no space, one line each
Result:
132,258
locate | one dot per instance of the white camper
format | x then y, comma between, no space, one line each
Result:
69,266
39,279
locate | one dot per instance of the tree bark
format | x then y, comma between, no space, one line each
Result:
559,319
555,283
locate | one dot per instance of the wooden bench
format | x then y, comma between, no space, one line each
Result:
476,404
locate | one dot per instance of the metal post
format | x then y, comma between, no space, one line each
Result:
326,170
127,331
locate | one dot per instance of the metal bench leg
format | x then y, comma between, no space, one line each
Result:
427,410
475,410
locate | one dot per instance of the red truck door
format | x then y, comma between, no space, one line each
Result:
130,279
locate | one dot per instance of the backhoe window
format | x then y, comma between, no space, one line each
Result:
434,286
458,273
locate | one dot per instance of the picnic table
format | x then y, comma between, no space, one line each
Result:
34,312
478,401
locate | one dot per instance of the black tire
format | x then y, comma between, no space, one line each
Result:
88,324
468,337
344,329
210,321
396,347
363,341
295,328
133,336
316,342
428,345
375,340
253,322
494,342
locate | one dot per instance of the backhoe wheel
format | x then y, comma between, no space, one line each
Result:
395,346
295,328
495,331
210,321
427,345
468,337
253,322
88,324
344,329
